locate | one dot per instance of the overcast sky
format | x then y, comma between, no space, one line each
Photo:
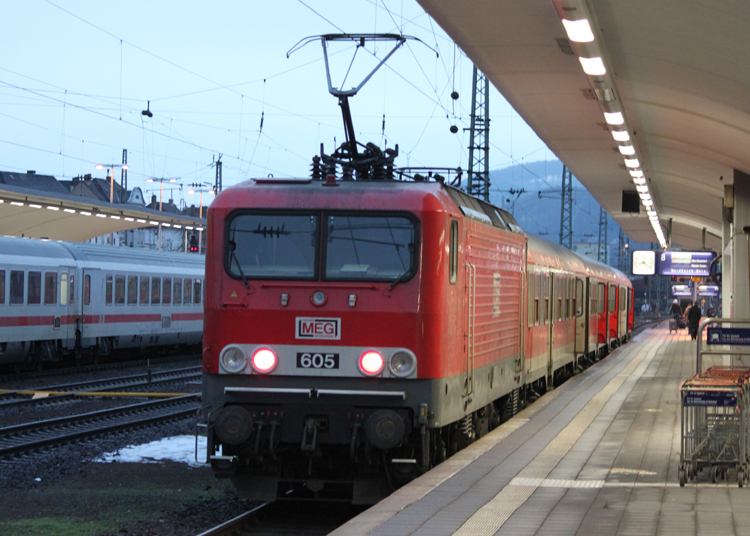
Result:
75,76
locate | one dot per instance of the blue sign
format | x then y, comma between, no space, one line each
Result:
720,399
734,336
708,290
689,263
681,290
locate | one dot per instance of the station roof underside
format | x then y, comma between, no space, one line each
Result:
37,214
676,68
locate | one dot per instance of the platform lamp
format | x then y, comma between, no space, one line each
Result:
200,187
112,177
161,189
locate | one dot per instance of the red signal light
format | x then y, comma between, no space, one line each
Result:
264,360
371,363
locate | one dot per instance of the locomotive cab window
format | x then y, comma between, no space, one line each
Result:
453,253
369,248
278,246
330,246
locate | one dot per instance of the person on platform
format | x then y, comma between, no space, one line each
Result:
694,320
676,310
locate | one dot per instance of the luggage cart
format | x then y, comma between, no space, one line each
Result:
715,406
715,409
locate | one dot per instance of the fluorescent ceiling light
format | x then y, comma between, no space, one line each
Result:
578,31
53,208
621,135
632,162
69,210
16,203
84,213
636,173
34,205
639,180
644,195
651,212
627,149
101,215
593,66
642,188
614,118
115,217
647,202
129,219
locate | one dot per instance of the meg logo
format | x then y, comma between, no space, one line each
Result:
318,328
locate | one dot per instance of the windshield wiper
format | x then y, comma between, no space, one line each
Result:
233,256
398,280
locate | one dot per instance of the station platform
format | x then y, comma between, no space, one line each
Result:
597,456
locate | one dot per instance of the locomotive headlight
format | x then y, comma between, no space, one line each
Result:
264,360
402,363
371,363
233,359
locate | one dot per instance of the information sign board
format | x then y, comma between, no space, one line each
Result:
681,290
709,398
708,290
691,263
733,336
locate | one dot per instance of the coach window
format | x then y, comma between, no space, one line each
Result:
453,253
2,287
155,290
50,288
612,307
187,292
108,290
177,293
602,298
197,291
63,289
16,287
143,291
120,289
72,289
578,299
166,295
34,290
537,297
545,290
87,290
132,289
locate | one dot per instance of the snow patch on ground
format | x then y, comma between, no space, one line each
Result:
177,448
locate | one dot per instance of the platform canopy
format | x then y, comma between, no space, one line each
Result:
56,216
677,71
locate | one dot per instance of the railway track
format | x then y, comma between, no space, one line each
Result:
100,367
287,519
25,438
19,398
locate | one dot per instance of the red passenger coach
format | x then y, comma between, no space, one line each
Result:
358,332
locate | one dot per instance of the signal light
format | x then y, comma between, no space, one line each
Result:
264,360
193,244
371,363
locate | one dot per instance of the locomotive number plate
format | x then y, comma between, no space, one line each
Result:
317,360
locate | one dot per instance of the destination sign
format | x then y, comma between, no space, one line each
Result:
708,290
733,336
685,263
681,290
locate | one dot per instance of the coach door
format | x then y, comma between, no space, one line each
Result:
66,321
581,318
91,299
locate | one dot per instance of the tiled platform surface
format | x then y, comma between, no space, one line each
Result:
598,456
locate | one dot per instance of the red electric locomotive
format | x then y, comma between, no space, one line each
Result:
360,328
358,332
